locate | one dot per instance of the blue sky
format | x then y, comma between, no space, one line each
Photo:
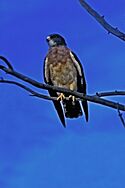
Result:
35,150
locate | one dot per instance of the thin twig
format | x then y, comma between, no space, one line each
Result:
7,62
110,93
33,93
100,19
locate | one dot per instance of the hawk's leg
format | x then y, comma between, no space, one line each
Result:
72,97
61,97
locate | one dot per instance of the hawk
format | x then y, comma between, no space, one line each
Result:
62,68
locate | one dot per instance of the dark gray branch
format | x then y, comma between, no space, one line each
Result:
110,93
92,98
39,95
100,19
95,98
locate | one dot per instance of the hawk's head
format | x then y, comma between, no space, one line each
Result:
55,40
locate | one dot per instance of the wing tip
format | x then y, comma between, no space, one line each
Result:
85,108
86,114
63,122
87,118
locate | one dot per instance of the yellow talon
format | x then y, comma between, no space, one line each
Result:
73,98
61,97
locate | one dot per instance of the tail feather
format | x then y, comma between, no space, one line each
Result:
85,108
58,107
72,109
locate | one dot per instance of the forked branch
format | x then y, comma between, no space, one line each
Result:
100,19
93,98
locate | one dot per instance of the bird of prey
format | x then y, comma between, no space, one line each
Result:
62,68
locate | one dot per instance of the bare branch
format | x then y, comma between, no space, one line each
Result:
39,95
100,19
110,93
94,98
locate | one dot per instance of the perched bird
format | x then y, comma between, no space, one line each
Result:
62,68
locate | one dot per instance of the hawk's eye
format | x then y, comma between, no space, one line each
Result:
58,40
